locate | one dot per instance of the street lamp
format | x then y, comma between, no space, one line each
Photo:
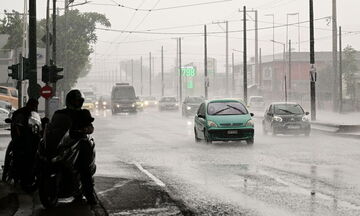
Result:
287,27
284,49
273,21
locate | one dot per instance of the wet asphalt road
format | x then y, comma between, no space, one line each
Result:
283,175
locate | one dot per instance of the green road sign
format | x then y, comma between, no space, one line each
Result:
188,71
190,84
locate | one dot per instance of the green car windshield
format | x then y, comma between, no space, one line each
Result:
288,109
226,108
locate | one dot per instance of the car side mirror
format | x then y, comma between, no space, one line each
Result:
252,114
201,116
270,114
8,120
307,113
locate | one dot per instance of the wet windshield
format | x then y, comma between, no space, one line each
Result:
194,100
226,108
288,109
124,93
168,99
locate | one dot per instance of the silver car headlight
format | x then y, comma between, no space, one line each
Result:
249,123
104,103
211,123
188,108
305,119
277,119
117,105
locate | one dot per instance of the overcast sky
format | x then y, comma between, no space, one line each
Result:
113,46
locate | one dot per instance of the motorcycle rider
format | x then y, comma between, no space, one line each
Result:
79,124
25,143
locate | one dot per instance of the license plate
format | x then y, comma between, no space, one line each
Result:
293,127
232,132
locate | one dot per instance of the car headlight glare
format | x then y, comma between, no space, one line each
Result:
305,118
277,118
156,102
96,103
133,105
188,108
117,105
249,123
146,103
211,123
104,103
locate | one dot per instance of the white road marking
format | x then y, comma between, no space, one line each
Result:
26,205
156,180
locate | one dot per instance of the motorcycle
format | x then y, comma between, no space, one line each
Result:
59,175
16,166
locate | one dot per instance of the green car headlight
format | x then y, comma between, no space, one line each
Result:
211,123
249,123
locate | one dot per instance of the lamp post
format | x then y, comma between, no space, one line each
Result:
287,27
285,78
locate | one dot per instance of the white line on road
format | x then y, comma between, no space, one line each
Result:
156,180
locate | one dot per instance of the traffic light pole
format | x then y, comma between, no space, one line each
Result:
32,50
245,59
312,63
205,63
19,82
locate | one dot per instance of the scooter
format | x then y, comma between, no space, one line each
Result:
58,174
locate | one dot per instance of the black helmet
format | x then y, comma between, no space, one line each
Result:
74,99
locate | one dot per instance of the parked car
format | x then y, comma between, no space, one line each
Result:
4,114
6,105
224,120
149,101
191,105
9,94
286,118
168,103
256,103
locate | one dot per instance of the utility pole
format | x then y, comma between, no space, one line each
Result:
312,63
227,58
132,72
47,52
256,49
340,72
289,68
162,71
141,76
66,68
245,58
150,73
32,51
180,76
260,70
233,74
334,55
205,64
54,43
177,68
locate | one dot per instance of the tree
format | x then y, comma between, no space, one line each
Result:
79,35
74,43
350,69
12,25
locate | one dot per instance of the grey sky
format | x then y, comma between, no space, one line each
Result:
108,48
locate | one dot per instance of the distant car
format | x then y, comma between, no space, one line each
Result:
123,98
149,101
191,105
89,104
224,120
168,103
4,114
9,94
256,103
286,118
139,104
103,103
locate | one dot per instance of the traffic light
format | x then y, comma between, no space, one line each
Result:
15,68
54,76
45,75
26,69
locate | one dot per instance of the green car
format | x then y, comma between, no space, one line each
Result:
224,120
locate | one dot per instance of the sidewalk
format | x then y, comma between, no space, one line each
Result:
135,194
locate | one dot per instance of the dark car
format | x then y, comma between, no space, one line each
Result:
191,105
168,103
286,118
103,103
123,98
